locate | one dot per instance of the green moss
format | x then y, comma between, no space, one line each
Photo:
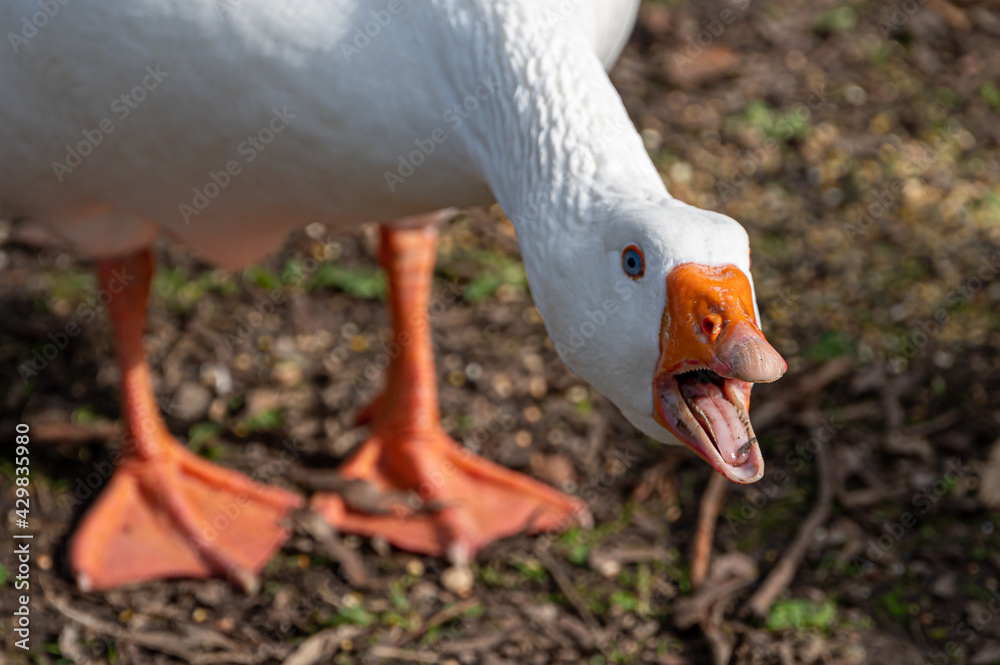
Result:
201,434
801,614
486,271
72,285
625,600
397,595
365,282
358,616
261,277
84,415
178,290
831,344
490,576
531,569
265,421
948,97
836,20
991,95
893,603
576,542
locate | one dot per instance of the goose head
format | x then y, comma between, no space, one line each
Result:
655,307
647,298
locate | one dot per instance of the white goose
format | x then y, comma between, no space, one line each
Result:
224,125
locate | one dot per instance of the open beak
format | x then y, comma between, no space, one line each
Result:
711,352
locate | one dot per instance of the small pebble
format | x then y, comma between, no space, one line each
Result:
359,343
609,568
502,385
287,374
855,95
458,579
381,546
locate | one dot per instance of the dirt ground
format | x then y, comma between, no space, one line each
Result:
857,142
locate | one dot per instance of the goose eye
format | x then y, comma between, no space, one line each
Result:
632,262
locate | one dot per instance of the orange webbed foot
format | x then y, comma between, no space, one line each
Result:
444,499
179,515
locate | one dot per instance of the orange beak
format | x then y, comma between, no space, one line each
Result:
711,352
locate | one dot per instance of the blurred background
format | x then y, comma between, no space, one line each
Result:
858,144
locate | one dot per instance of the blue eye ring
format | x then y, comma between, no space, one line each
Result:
633,263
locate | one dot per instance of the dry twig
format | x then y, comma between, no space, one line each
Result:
324,534
322,646
566,586
708,514
779,578
444,616
186,647
382,651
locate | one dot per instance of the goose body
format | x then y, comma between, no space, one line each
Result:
373,110
226,124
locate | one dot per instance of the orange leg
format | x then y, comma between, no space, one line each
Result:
167,512
446,499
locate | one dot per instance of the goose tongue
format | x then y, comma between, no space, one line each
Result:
720,420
